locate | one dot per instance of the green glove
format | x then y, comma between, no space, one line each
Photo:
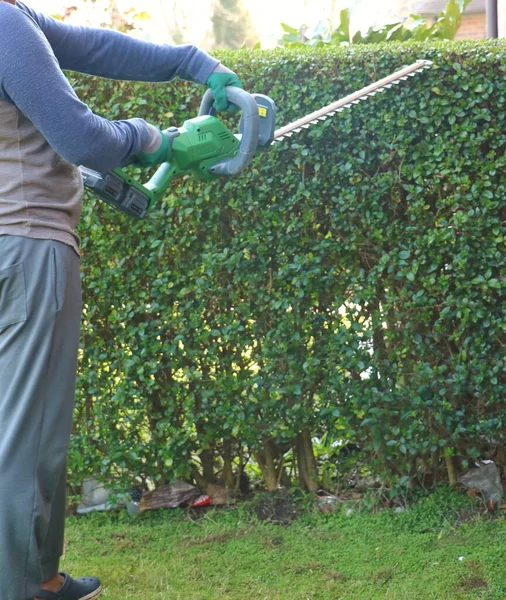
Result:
219,79
159,156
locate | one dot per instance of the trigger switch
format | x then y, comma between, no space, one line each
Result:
172,133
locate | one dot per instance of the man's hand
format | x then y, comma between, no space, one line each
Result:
158,150
219,79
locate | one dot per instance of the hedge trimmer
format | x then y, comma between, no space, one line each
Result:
206,148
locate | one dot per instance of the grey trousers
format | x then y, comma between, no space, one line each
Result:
40,310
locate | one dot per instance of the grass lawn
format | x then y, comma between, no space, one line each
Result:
438,549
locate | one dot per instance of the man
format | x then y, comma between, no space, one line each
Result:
45,131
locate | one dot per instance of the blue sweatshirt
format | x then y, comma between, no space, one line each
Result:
45,130
33,50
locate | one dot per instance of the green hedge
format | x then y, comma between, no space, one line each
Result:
348,287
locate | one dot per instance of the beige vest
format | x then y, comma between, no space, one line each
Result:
40,192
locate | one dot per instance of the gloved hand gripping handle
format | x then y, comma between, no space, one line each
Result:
250,134
166,171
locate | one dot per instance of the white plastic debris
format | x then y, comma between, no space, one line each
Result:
94,497
487,479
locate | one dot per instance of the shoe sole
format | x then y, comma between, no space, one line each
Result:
93,594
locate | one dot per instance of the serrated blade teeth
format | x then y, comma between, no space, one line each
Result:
355,98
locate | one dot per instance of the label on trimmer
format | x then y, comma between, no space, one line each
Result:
262,111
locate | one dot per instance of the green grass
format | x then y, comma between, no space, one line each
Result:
229,554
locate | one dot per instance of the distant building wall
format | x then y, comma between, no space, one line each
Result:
472,27
474,21
501,17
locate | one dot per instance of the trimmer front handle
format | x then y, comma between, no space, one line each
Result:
250,130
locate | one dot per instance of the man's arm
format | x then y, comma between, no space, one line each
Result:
31,79
115,55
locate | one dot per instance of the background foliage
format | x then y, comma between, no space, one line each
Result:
230,24
414,28
347,289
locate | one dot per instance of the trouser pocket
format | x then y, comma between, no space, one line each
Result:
12,295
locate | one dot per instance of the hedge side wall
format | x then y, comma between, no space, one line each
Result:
348,286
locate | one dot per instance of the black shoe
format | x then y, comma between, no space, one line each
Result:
84,588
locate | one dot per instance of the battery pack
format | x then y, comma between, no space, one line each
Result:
118,190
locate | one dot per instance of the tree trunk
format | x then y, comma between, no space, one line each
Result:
227,476
308,471
232,25
116,18
266,459
207,461
451,468
199,479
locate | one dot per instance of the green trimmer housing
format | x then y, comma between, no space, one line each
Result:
203,147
